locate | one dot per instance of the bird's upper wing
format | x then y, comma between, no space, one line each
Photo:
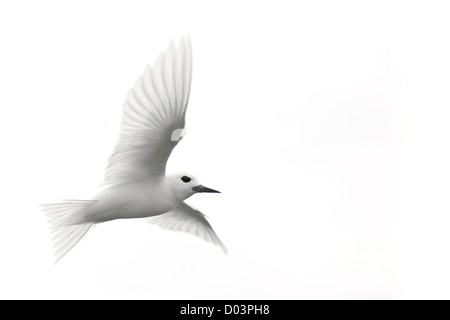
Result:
153,117
187,219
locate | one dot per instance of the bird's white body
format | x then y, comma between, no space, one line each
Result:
138,199
136,184
132,200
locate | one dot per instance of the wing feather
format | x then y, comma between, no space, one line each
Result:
184,218
154,109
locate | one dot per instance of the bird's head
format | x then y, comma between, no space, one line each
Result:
185,185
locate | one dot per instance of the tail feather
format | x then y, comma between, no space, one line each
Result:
65,223
68,237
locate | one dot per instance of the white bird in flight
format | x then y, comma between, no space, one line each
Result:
136,184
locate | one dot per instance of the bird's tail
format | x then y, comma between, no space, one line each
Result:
66,225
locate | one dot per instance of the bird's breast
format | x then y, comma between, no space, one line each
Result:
133,201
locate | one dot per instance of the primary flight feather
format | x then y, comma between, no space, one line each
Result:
136,184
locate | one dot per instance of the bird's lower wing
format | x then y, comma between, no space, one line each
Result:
187,219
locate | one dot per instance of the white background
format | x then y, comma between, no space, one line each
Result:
324,123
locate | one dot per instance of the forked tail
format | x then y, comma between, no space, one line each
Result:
64,219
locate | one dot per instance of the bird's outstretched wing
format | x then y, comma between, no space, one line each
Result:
153,117
187,219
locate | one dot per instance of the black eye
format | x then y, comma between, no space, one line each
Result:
186,179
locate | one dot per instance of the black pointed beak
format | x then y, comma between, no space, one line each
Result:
201,188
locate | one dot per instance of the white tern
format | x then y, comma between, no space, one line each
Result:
136,184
